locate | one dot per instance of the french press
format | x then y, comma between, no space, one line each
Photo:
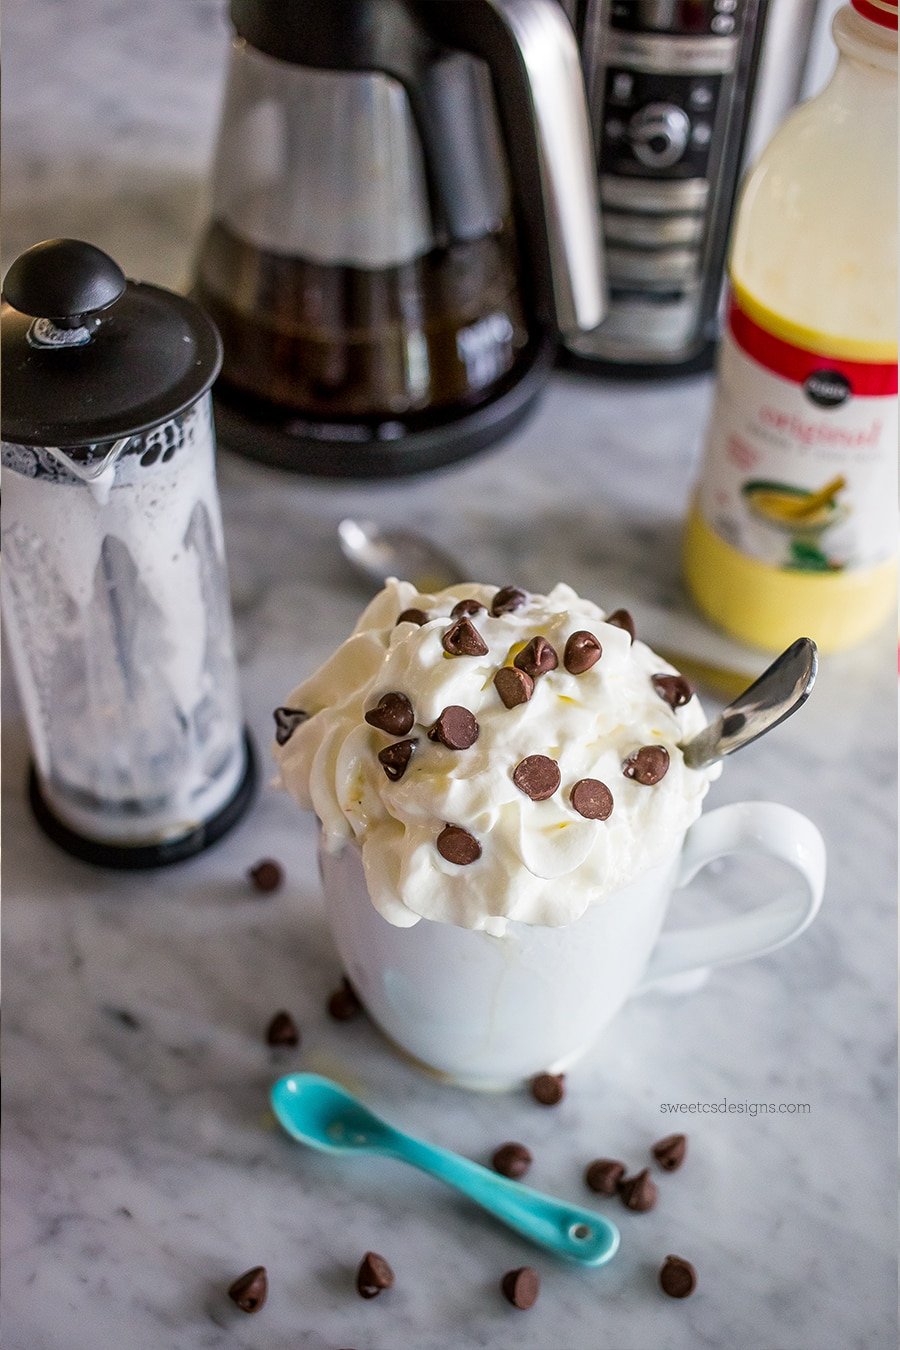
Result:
114,585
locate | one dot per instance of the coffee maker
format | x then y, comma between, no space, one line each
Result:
403,222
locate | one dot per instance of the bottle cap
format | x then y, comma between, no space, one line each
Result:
882,12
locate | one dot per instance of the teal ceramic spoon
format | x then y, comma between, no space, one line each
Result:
317,1112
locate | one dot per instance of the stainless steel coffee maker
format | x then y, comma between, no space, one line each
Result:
404,221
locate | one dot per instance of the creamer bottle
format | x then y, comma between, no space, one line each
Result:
794,524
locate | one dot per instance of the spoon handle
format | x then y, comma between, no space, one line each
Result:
579,1234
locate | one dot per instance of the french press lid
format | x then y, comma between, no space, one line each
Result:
88,356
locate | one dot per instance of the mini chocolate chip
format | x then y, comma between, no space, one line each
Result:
282,1030
537,776
591,799
648,765
583,650
344,1003
463,607
373,1276
458,846
537,658
511,1160
677,1277
675,689
250,1289
508,599
395,757
392,713
620,618
521,1287
669,1152
412,616
266,875
548,1088
603,1175
638,1192
287,720
513,685
463,639
456,728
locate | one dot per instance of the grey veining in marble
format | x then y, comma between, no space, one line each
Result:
142,1171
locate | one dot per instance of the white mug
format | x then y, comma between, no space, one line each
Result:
488,1012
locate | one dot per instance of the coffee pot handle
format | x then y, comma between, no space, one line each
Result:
533,57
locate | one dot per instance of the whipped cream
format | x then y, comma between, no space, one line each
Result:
540,861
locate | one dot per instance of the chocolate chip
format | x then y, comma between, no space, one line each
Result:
620,618
675,689
458,846
508,599
648,765
537,776
669,1152
463,607
511,1160
250,1289
456,728
591,799
266,875
392,713
521,1287
548,1088
344,1003
394,758
463,639
638,1192
373,1276
537,658
412,616
677,1278
603,1175
282,1030
513,685
287,720
583,650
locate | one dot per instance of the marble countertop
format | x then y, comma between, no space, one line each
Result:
142,1170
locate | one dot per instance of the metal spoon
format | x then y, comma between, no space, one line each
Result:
316,1111
377,554
781,689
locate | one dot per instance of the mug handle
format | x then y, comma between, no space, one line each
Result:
744,827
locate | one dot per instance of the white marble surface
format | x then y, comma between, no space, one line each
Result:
142,1172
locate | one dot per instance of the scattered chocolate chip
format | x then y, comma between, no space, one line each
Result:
638,1192
548,1088
537,658
412,616
458,846
456,728
266,875
583,650
282,1030
513,685
620,618
675,689
463,607
463,639
591,799
521,1287
603,1175
373,1276
344,1003
392,713
508,599
669,1152
648,765
677,1278
395,757
511,1160
250,1289
287,720
537,776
